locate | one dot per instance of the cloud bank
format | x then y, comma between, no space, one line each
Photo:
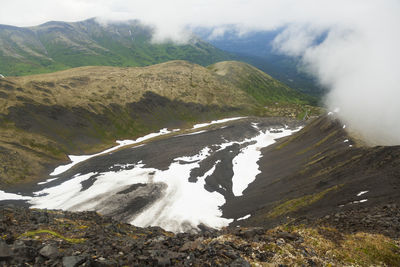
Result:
358,60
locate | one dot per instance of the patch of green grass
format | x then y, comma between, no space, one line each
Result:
43,231
298,203
320,142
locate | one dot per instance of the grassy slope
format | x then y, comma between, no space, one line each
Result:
58,45
82,110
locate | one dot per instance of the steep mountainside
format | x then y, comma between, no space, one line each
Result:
60,45
323,174
256,48
77,111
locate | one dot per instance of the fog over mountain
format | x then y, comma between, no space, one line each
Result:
358,57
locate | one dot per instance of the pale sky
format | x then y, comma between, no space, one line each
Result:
359,60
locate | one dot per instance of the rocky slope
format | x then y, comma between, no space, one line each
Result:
77,111
57,238
322,198
321,171
61,45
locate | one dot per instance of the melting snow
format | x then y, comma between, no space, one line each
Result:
255,125
199,132
182,204
77,159
362,193
359,201
200,125
244,217
11,196
245,167
48,181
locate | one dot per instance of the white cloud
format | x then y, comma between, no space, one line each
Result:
359,60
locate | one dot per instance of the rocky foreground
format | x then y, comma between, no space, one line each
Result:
32,237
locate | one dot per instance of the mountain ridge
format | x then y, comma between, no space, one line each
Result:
59,45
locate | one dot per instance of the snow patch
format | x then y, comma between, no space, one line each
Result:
200,125
11,196
184,202
48,181
359,201
244,217
245,166
362,193
194,133
121,143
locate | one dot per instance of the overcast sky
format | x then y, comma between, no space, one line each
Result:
359,60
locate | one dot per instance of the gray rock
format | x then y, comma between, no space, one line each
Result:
49,251
5,250
288,236
163,261
73,261
43,219
240,262
231,254
24,251
251,232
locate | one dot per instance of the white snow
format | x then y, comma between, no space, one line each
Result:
55,197
362,193
11,196
183,202
200,125
345,141
244,217
330,113
245,167
255,125
194,133
77,159
359,201
344,126
48,181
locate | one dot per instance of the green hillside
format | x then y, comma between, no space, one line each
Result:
60,45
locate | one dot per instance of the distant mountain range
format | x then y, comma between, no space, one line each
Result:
61,45
256,48
55,46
